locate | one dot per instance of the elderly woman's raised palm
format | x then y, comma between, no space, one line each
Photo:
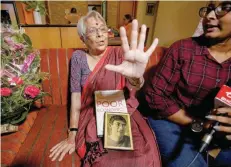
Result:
135,59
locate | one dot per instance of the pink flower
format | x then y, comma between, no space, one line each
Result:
6,91
17,80
18,46
9,41
31,91
2,72
27,62
8,74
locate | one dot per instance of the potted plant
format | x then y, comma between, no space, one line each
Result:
38,8
20,76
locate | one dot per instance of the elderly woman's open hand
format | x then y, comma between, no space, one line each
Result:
135,59
223,119
62,148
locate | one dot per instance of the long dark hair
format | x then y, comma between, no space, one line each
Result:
128,17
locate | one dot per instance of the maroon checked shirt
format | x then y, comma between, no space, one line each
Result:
187,77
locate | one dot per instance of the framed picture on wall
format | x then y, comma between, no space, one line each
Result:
9,13
95,8
150,9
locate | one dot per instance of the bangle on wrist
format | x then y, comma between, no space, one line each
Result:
72,130
136,81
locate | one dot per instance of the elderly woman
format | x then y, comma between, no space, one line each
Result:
107,68
183,88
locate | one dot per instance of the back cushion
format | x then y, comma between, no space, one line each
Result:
56,63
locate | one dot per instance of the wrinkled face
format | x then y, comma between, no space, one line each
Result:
216,26
96,35
118,128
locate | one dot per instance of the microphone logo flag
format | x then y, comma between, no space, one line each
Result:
228,94
223,98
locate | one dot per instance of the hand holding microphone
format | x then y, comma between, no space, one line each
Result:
223,100
222,119
223,107
223,115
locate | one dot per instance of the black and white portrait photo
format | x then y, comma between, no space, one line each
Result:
118,131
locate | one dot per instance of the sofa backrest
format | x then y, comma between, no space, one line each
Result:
56,63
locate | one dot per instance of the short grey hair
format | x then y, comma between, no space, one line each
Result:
81,26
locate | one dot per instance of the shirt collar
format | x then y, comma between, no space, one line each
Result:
202,49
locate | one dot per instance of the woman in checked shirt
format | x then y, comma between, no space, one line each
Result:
183,88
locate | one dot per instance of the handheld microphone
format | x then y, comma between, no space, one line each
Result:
222,99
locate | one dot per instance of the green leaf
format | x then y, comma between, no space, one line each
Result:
27,39
17,54
23,117
28,8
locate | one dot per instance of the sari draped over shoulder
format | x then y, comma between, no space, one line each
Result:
89,147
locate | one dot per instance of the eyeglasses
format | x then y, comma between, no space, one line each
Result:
93,31
220,10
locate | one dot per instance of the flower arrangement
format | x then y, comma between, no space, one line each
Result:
20,76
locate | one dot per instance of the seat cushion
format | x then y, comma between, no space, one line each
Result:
50,128
11,143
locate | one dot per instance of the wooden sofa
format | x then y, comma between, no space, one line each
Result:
45,127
